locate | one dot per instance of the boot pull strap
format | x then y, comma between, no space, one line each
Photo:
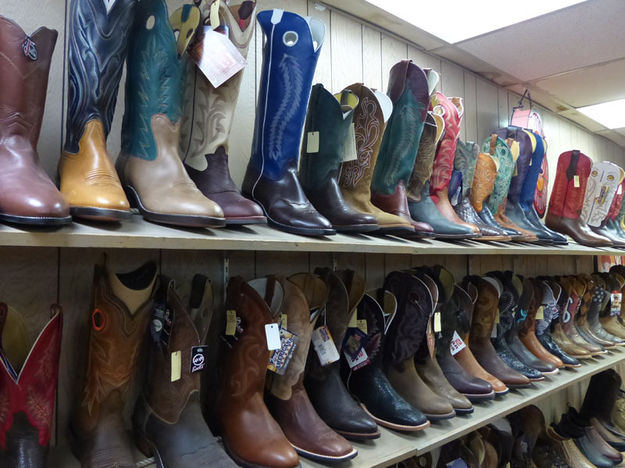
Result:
493,143
572,169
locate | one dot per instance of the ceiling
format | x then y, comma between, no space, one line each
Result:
569,58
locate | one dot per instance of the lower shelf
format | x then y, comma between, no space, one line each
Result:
393,447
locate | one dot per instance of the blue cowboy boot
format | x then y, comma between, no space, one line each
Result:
149,165
289,59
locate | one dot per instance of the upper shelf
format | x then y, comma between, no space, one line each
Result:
139,234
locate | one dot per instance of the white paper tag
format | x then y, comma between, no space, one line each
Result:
456,344
217,57
619,190
176,365
350,153
312,142
615,303
576,181
324,346
493,333
272,332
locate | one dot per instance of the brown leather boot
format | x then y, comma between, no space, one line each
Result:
250,434
28,196
209,113
304,295
121,306
168,420
481,329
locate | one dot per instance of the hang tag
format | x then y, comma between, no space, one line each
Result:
280,358
493,333
353,321
360,360
198,358
497,319
619,190
362,325
272,333
312,142
576,181
540,313
350,153
437,322
354,341
456,344
214,14
324,346
176,365
284,321
616,299
231,322
216,56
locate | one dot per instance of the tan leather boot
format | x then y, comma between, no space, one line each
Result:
482,187
121,307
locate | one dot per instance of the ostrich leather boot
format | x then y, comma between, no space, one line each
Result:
28,378
567,200
28,195
250,434
329,123
590,303
452,111
149,165
324,386
304,295
289,60
420,204
405,335
369,384
563,340
208,113
98,45
119,318
482,325
425,360
370,116
408,89
167,419
527,333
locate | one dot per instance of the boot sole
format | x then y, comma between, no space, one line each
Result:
397,427
43,221
461,411
356,436
294,230
399,230
480,397
193,221
457,236
357,228
244,221
92,213
440,417
324,458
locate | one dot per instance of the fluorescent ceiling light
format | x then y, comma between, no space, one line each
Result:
609,114
456,20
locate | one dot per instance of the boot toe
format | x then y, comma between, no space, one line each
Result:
236,206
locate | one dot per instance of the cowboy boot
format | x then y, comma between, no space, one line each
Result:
611,224
425,361
288,402
408,90
149,166
289,59
98,45
604,180
465,162
505,158
600,300
542,325
250,434
324,386
563,340
369,384
405,335
452,111
420,204
207,118
527,332
28,379
567,199
542,187
28,195
120,313
489,290
167,418
330,118
612,321
590,304
370,117
601,396
507,307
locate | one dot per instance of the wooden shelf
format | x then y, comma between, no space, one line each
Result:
393,447
139,234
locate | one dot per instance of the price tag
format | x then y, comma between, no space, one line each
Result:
284,321
362,325
353,349
231,322
493,333
353,321
312,142
216,57
540,313
324,346
456,344
272,333
176,365
437,322
576,181
198,358
619,190
360,360
350,153
497,319
616,298
280,358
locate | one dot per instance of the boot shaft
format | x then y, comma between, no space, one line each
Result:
542,188
522,162
569,187
290,56
601,188
485,308
498,149
25,64
453,111
617,202
331,117
528,189
98,45
424,162
465,161
408,89
483,181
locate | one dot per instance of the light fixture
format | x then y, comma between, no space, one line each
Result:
610,114
456,20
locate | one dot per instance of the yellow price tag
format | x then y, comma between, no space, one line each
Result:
437,322
231,322
176,365
362,324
